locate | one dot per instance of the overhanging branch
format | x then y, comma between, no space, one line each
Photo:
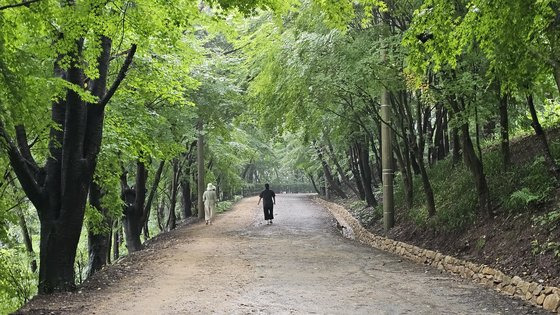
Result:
19,4
120,77
27,180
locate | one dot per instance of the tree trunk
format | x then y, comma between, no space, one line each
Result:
117,240
445,133
477,169
556,74
404,156
419,150
504,131
429,134
403,161
59,190
549,160
27,239
339,169
456,146
173,190
378,163
98,237
148,207
365,172
134,199
353,157
439,146
161,215
313,183
56,272
200,163
187,201
109,248
328,175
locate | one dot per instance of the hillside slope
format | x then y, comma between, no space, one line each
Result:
522,237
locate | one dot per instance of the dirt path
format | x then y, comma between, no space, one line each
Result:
298,265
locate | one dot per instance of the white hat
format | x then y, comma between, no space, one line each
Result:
210,187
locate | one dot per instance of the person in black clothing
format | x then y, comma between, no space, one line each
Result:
269,200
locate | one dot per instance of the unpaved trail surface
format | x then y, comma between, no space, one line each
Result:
299,265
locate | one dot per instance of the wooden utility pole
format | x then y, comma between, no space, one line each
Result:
200,161
387,157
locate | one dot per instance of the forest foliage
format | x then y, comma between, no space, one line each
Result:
104,106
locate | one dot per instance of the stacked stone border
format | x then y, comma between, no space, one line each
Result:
531,292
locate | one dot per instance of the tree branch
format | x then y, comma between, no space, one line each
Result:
120,77
152,194
27,180
15,5
24,148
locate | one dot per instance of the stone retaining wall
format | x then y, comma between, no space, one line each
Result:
532,292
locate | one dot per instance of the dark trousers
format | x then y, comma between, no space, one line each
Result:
268,212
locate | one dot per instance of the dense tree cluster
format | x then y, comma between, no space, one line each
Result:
102,105
114,114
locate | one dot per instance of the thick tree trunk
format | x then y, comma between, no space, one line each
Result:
59,190
131,226
541,135
56,272
98,237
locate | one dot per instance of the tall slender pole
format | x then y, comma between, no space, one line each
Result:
387,157
200,164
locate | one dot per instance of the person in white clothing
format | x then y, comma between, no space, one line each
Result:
210,200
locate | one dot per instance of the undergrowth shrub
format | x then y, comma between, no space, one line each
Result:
367,216
17,283
224,206
454,196
519,189
549,220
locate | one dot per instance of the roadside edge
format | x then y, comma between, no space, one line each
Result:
534,293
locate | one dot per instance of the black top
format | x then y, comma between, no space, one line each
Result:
267,195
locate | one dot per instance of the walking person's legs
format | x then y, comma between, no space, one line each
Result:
207,214
268,214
